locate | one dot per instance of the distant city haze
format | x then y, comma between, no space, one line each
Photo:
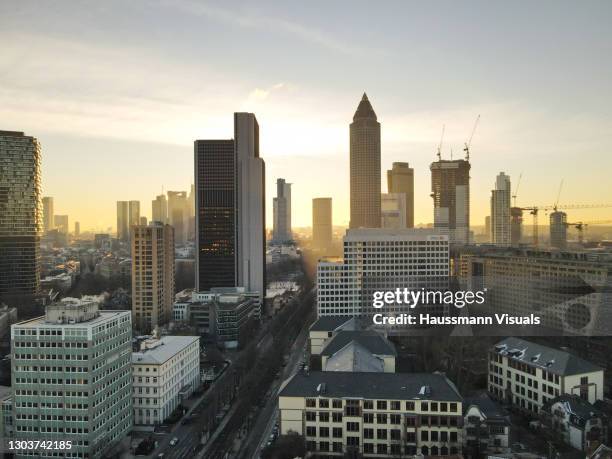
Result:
116,92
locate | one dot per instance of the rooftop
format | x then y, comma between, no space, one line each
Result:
547,358
381,234
330,323
364,109
355,358
486,405
165,348
373,342
102,317
576,405
379,386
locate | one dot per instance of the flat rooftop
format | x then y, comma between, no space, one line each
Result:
42,322
169,346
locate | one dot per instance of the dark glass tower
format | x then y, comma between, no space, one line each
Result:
20,214
215,185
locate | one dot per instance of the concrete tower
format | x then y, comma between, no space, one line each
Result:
400,179
500,211
282,212
558,230
159,208
321,223
48,213
365,167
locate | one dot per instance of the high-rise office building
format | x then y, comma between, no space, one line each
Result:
178,210
400,179
488,227
500,211
123,218
365,167
61,223
450,190
48,213
77,229
143,220
21,213
134,213
321,223
230,209
72,378
152,274
159,209
282,212
516,226
558,230
393,210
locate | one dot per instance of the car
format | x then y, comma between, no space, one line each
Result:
160,456
174,441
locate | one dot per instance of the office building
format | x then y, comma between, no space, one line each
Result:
72,378
516,226
178,215
230,210
77,229
558,230
152,275
393,210
322,223
48,213
400,179
159,209
528,375
61,223
488,228
123,219
365,167
134,213
282,212
346,414
165,372
381,260
500,211
21,213
450,190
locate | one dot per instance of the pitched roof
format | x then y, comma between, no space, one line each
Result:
364,109
486,405
354,357
370,340
380,386
547,358
576,405
330,323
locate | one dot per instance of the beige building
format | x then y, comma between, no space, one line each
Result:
152,274
159,209
48,213
321,223
393,210
500,211
528,375
325,328
365,167
400,179
387,414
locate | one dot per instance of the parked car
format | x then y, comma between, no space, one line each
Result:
174,441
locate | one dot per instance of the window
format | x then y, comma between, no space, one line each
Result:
336,417
396,419
381,418
368,448
424,406
424,435
311,416
352,441
395,434
381,404
381,434
381,448
409,406
323,403
336,403
395,405
368,433
311,431
368,405
311,402
324,432
368,418
352,427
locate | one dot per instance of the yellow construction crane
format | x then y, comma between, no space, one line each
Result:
466,148
581,227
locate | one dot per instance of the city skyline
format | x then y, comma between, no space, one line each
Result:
101,123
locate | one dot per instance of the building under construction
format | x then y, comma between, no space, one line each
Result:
450,190
558,230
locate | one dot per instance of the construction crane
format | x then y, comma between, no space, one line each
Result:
582,226
534,210
440,144
466,148
518,184
558,196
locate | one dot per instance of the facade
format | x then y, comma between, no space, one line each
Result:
178,215
387,414
71,377
48,213
500,211
321,223
165,372
133,214
61,223
159,209
418,258
558,230
365,167
282,212
450,190
21,214
528,375
486,428
393,210
6,412
230,210
123,220
152,275
516,226
400,179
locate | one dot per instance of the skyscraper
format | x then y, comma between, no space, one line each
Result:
48,213
400,179
450,190
123,217
558,230
500,211
321,223
77,229
159,208
178,210
21,215
215,181
282,212
82,378
365,167
134,213
61,223
230,209
516,226
152,274
393,210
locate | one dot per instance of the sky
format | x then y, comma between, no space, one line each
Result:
117,92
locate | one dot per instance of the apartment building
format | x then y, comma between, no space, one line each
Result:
386,414
528,375
71,378
165,372
486,426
